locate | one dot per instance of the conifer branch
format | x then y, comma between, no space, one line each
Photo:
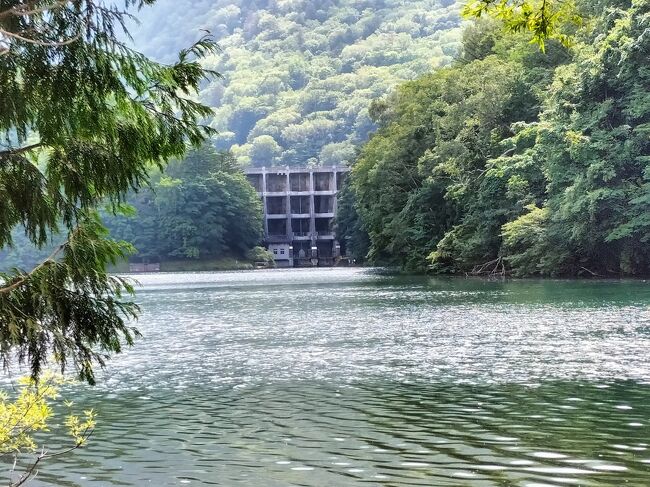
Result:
20,150
37,42
24,277
28,8
105,113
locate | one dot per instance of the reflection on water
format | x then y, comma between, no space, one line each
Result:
348,377
318,434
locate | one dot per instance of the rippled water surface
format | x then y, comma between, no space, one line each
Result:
344,377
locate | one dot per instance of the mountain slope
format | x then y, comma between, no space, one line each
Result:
300,75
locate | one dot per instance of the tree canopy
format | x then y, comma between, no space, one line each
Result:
517,161
201,207
83,119
543,19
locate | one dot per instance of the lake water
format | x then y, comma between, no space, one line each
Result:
346,377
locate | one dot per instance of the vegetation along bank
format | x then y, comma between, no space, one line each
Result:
515,160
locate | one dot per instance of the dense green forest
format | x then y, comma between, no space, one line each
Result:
514,160
299,75
199,208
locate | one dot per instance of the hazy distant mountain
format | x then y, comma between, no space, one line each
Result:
300,74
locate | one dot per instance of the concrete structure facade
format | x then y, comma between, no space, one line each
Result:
299,211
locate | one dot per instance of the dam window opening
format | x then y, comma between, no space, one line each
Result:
256,181
300,227
300,205
299,182
277,228
276,205
276,183
340,181
324,204
322,181
324,226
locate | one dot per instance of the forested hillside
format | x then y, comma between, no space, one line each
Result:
513,160
299,75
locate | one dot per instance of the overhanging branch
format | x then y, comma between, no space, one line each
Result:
25,277
20,150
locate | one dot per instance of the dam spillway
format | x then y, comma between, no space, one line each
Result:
299,212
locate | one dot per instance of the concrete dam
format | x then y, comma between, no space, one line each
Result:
299,212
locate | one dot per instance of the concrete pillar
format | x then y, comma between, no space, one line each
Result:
335,189
312,215
266,221
288,207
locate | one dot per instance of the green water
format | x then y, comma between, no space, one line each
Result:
345,377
